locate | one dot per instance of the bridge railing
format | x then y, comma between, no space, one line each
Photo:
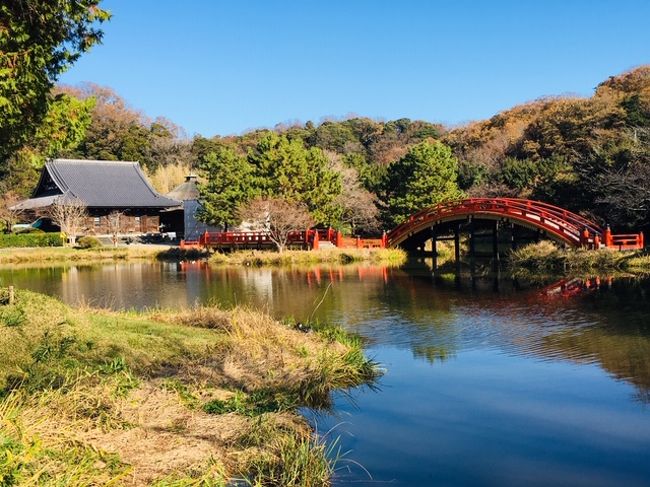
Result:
311,238
565,224
627,241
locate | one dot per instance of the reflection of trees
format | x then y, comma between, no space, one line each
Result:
295,292
608,324
626,356
432,353
619,340
599,320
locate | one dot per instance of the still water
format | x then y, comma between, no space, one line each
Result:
488,382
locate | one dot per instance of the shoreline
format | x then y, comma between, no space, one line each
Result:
546,258
255,258
167,396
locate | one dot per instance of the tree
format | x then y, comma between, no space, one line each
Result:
39,39
63,128
229,184
165,178
276,217
425,176
69,214
115,221
358,205
286,169
119,132
9,214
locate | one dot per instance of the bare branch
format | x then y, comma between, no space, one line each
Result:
277,218
115,225
9,214
70,215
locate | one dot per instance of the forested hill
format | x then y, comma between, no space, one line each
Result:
591,155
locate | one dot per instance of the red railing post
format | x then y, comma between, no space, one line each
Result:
339,238
641,240
384,240
359,243
584,237
596,242
315,243
607,237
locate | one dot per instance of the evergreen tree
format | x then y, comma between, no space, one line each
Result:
39,39
286,169
228,185
425,176
63,128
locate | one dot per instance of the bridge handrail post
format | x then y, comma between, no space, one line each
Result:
315,243
608,237
339,238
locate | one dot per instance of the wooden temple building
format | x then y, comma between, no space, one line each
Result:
105,187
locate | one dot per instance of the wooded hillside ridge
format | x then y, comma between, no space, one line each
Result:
590,155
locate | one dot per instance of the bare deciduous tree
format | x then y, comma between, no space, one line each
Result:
115,221
359,206
277,218
70,215
9,214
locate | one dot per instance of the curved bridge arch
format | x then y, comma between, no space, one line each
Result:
557,223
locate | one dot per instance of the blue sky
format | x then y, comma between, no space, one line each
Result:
217,67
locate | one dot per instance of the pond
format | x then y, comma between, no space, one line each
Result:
489,381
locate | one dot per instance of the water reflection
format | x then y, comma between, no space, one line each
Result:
491,380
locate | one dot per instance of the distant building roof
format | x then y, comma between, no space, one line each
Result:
186,191
99,184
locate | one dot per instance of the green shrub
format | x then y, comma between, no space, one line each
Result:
88,242
30,240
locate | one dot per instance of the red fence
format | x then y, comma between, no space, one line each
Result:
311,238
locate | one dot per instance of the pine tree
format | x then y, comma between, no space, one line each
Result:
425,176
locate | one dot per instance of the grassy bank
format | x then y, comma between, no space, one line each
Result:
164,398
392,257
61,255
545,257
102,254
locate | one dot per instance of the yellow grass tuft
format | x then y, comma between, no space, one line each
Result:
256,258
164,398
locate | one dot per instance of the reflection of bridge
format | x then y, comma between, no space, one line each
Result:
499,214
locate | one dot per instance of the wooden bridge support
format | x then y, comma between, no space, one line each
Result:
472,246
434,248
495,242
457,245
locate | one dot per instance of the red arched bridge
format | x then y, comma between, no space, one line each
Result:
440,220
550,221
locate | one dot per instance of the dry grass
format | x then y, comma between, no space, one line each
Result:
546,257
66,255
193,397
256,258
